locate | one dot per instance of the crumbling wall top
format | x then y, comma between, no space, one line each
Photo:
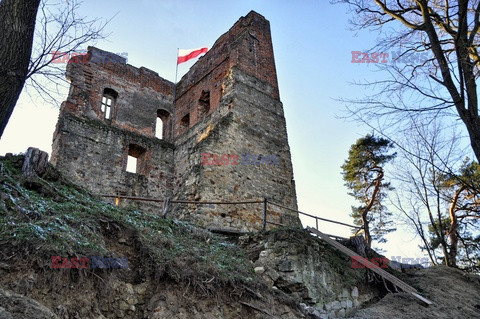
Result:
247,46
106,88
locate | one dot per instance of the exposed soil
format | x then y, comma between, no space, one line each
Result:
454,294
175,270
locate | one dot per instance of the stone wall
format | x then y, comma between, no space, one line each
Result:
91,148
94,155
246,46
140,93
308,269
227,104
245,117
254,125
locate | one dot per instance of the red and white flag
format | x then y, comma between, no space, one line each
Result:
185,55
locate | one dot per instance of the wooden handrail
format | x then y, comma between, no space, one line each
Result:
313,216
263,201
182,201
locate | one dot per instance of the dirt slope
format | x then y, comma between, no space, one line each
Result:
454,293
176,270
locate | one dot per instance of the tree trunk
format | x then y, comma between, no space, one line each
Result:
366,227
35,163
452,232
472,123
467,107
359,243
17,26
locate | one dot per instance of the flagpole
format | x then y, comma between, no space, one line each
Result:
174,98
176,71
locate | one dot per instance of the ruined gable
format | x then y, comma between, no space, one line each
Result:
226,105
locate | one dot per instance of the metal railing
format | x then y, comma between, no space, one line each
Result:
265,202
313,216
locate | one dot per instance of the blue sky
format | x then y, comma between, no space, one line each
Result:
312,46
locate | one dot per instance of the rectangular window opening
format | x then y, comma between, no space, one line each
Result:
135,159
131,164
185,121
204,103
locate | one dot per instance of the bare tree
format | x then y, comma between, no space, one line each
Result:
436,200
59,33
462,190
442,79
419,198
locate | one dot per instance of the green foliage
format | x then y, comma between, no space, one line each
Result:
365,159
435,241
465,187
364,176
468,175
469,250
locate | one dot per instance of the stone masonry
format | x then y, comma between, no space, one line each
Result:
227,104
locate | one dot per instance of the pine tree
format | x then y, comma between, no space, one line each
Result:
364,176
462,191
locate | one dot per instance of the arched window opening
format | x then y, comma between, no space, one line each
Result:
185,122
161,125
108,101
159,128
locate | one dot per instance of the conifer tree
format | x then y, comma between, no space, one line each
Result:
363,173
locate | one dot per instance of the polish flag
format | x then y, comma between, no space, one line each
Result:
185,55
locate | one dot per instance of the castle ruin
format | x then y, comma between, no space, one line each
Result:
227,104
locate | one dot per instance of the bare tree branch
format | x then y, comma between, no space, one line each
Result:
60,32
441,82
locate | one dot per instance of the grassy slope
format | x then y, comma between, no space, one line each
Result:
49,216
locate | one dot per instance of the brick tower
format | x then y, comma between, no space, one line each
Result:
227,105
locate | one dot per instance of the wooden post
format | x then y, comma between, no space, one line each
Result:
264,226
316,222
166,202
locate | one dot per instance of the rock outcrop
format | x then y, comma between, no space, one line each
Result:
310,271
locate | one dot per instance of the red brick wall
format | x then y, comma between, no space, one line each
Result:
247,46
140,93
